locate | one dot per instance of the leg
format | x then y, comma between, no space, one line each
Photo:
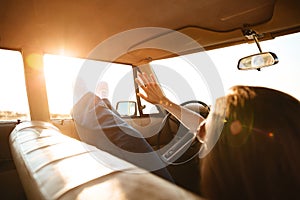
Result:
99,126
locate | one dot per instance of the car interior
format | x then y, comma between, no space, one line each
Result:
42,155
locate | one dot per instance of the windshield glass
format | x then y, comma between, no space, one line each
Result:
282,76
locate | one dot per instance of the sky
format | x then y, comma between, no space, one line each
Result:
60,73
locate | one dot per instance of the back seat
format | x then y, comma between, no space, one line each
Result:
54,166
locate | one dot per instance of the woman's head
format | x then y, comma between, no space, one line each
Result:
256,154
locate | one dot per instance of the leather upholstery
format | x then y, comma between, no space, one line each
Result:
54,166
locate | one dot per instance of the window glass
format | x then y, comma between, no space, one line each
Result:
148,108
180,79
183,80
61,73
283,76
14,103
120,81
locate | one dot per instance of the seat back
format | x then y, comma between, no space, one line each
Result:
54,166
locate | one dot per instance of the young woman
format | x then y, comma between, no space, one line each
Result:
254,153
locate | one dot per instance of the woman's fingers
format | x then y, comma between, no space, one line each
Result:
144,78
153,93
147,79
138,81
152,78
142,96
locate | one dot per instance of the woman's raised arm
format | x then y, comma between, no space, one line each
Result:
155,95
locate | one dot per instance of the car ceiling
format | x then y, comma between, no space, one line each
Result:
78,27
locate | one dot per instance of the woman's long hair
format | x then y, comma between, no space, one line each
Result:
257,154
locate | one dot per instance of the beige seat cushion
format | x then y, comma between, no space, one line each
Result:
54,166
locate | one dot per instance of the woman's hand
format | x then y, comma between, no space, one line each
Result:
153,91
154,95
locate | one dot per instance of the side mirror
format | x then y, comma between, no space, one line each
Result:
126,108
257,61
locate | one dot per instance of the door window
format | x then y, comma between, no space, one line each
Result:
13,103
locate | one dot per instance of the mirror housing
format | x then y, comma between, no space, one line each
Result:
126,108
257,61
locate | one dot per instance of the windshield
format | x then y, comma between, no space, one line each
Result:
282,76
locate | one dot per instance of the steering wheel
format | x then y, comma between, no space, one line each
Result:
195,105
195,102
205,108
173,127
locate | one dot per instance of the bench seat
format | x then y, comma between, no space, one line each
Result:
54,166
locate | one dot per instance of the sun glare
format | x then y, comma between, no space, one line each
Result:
60,74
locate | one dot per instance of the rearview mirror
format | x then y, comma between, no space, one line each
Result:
257,61
126,108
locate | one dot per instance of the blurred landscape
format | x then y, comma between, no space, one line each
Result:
12,116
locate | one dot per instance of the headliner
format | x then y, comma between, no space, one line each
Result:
79,26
